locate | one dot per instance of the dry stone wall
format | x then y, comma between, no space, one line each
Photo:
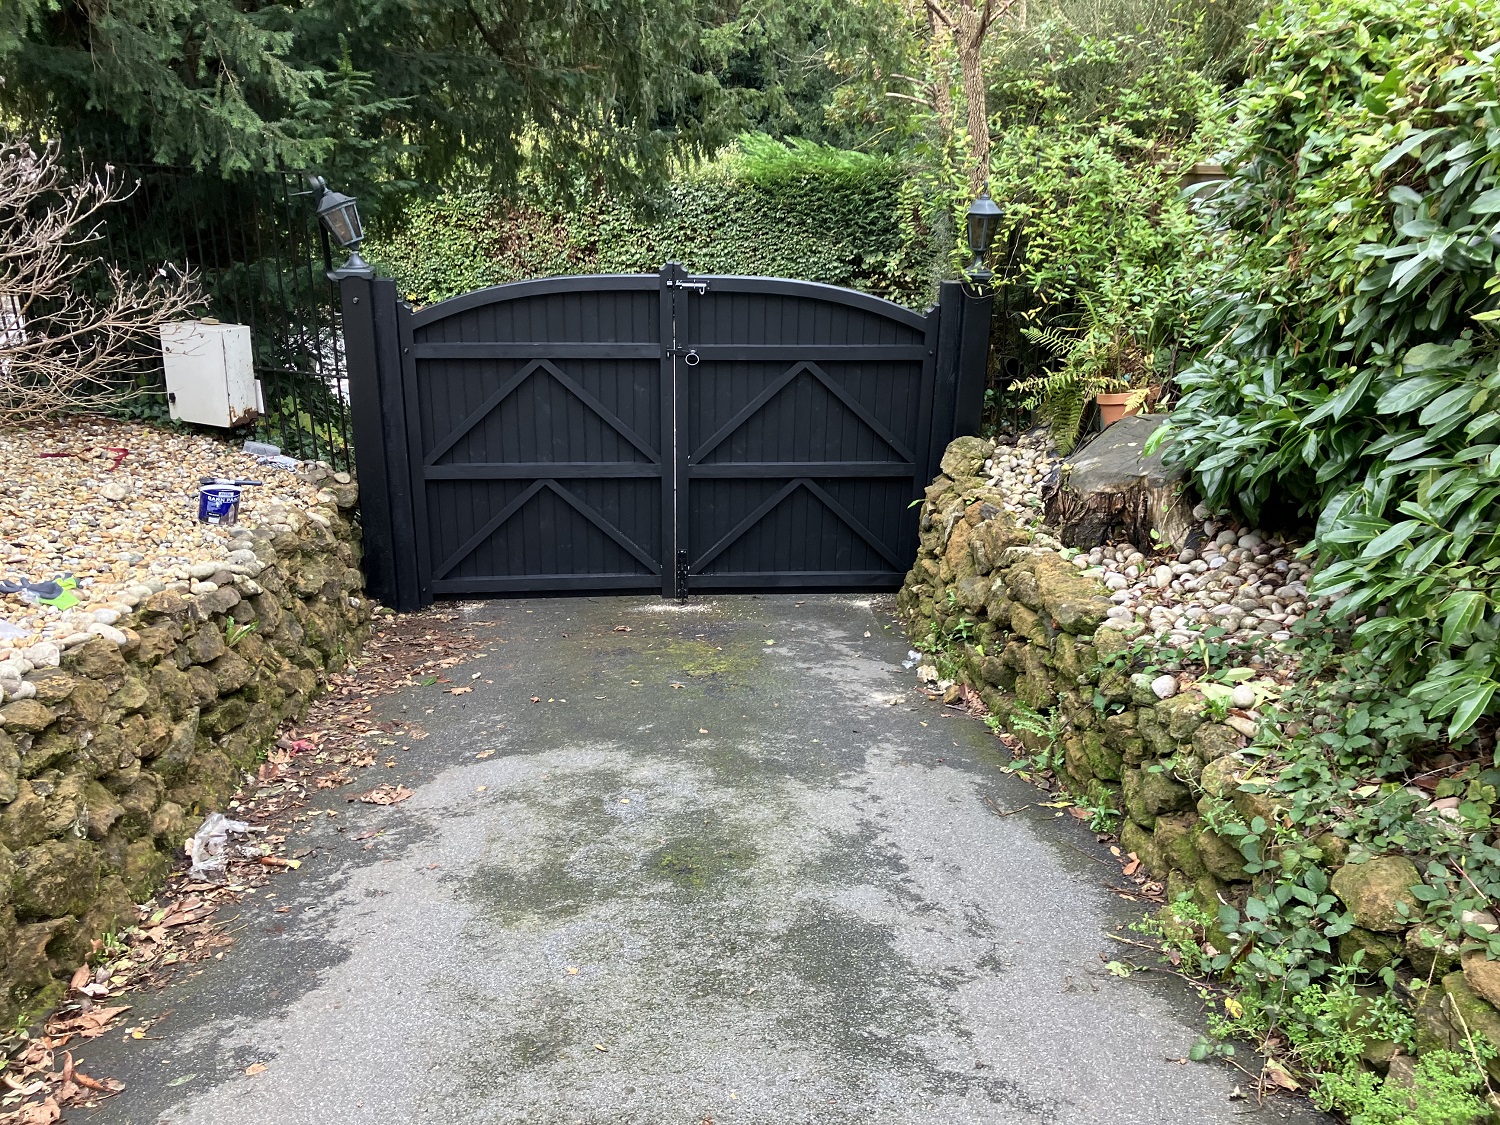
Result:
1024,628
113,749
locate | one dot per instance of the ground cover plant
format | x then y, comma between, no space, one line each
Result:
1348,379
1351,372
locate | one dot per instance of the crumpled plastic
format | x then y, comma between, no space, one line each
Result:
210,847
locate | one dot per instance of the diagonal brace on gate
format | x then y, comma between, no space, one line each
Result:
770,505
780,383
511,385
586,511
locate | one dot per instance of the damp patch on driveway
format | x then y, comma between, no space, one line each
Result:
729,867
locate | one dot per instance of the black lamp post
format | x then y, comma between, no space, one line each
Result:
340,214
983,221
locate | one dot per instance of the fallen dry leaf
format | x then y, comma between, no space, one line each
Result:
386,795
256,1068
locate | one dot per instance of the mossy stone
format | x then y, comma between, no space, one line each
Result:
991,538
133,695
965,455
1138,840
225,717
1220,857
53,685
1468,1015
27,716
98,659
1150,793
1429,951
1376,891
144,868
1154,732
1076,761
56,878
1213,741
1374,950
1181,716
1104,762
1174,843
1029,625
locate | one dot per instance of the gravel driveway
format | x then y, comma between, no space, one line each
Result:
727,867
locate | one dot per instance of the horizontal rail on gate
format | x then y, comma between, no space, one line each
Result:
514,290
507,350
845,353
734,469
504,470
770,579
527,582
813,290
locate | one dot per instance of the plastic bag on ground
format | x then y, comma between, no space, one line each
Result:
210,847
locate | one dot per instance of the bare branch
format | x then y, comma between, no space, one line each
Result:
63,346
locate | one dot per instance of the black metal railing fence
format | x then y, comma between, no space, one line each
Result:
255,244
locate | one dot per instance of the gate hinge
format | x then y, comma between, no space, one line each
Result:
682,575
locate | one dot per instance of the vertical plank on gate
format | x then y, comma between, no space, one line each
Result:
378,410
417,474
671,401
950,315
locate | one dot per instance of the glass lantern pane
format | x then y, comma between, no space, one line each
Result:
338,220
356,228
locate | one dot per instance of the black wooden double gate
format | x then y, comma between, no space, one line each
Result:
640,432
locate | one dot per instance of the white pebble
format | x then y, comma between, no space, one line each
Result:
109,632
1164,686
44,654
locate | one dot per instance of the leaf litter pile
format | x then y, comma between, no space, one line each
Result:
179,927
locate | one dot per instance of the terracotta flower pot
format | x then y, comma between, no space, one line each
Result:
1113,407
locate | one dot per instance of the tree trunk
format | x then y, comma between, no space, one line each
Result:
969,33
939,42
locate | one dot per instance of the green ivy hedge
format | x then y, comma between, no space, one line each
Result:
783,210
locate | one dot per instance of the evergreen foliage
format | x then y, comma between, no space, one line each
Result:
394,95
791,210
1351,373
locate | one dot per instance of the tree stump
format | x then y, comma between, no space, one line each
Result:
1110,490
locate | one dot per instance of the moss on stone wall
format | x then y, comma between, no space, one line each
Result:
122,750
1025,629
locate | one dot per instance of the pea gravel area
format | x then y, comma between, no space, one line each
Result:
115,504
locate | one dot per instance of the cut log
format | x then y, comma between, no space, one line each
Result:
1110,490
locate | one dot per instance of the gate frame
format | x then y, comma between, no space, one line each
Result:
381,368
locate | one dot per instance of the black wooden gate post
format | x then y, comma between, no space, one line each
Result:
962,362
378,409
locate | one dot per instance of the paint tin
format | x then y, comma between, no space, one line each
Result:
218,503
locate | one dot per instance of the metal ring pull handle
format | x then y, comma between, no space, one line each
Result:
692,359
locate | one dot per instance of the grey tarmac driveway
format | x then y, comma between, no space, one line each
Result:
772,894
